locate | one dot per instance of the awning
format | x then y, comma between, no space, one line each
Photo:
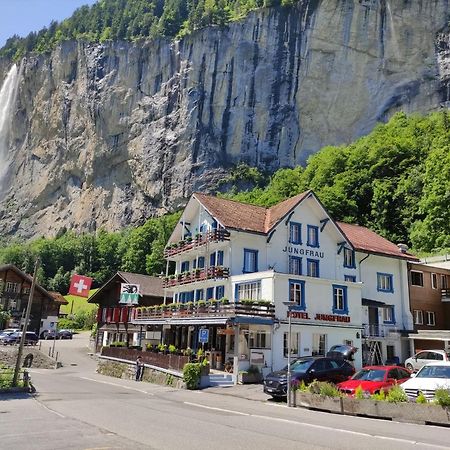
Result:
431,335
368,302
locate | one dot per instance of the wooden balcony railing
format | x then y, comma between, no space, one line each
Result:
197,241
202,309
196,275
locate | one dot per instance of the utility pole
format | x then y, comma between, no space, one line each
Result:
25,325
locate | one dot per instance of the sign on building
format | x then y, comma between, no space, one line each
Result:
203,335
129,294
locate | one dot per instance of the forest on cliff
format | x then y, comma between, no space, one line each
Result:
133,20
395,181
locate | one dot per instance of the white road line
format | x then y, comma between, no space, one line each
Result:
117,385
321,427
239,413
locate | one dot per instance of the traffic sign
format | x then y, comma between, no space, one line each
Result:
203,335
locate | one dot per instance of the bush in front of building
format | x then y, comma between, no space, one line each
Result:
396,395
442,397
191,375
324,389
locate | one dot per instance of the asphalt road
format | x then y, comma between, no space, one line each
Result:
75,408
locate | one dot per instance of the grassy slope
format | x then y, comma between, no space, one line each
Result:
79,304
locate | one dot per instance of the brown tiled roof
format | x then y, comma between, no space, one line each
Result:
149,286
58,298
367,240
242,216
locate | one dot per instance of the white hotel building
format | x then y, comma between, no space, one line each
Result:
343,284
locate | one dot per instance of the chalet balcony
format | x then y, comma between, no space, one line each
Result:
199,240
371,330
202,309
196,275
445,296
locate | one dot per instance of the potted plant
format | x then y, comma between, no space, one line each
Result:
252,375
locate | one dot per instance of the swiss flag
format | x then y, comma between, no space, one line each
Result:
80,285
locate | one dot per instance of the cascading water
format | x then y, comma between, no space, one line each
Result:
7,100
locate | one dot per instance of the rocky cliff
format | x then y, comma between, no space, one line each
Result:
107,135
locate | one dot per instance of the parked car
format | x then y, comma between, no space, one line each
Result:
65,334
427,380
9,338
374,379
308,369
9,330
49,334
14,338
424,357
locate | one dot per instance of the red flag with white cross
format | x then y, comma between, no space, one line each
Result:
80,285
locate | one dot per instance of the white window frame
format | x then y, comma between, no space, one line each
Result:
250,290
259,339
349,258
319,344
431,314
434,281
339,297
12,287
418,317
387,314
295,344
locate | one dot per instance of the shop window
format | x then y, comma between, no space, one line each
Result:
418,317
297,294
250,260
312,236
248,291
312,266
259,339
340,305
294,344
349,258
295,233
319,343
431,319
295,265
416,278
385,282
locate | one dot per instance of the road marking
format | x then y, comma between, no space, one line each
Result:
321,427
117,385
217,409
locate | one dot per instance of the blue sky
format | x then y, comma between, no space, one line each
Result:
22,16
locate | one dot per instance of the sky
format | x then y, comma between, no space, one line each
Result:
22,16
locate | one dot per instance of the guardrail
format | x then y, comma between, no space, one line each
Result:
376,330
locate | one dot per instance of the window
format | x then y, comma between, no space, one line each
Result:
416,278
319,344
220,292
340,299
294,344
12,287
201,262
385,282
185,297
248,291
434,281
184,266
351,278
444,284
199,294
212,259
295,265
259,339
250,261
431,319
349,258
418,317
209,293
312,266
388,314
220,257
297,293
312,236
295,233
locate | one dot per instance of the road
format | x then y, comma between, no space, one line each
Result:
75,408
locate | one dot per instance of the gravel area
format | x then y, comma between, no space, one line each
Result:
8,356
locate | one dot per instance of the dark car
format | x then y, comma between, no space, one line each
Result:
65,334
49,334
308,369
14,338
10,338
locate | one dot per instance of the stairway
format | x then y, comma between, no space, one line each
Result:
221,380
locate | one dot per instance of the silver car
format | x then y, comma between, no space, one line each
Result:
417,361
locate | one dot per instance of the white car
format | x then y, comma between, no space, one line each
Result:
424,357
429,378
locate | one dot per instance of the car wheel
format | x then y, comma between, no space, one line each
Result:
410,367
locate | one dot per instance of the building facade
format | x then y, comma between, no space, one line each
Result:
248,274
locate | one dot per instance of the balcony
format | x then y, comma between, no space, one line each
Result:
198,241
445,296
203,309
371,330
196,275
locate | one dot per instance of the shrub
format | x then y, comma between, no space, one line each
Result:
396,395
302,386
380,396
172,349
421,398
325,389
359,393
191,375
442,397
118,344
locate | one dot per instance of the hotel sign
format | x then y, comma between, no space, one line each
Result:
303,252
324,317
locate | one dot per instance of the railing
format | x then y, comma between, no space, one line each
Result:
445,294
376,330
197,241
196,275
210,309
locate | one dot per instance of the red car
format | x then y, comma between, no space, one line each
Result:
373,379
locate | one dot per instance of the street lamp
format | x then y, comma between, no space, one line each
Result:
289,305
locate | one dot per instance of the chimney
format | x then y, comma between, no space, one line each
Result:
402,247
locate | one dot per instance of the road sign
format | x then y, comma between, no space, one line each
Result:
203,335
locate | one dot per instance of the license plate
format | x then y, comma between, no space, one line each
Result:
270,389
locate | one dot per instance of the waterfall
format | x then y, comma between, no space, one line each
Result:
7,100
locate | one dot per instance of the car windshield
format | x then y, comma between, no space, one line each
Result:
301,365
434,372
370,375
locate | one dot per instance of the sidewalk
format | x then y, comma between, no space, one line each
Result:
248,391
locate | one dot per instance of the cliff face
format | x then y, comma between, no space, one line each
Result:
107,135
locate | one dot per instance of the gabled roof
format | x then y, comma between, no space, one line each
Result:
28,278
58,298
365,240
242,216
